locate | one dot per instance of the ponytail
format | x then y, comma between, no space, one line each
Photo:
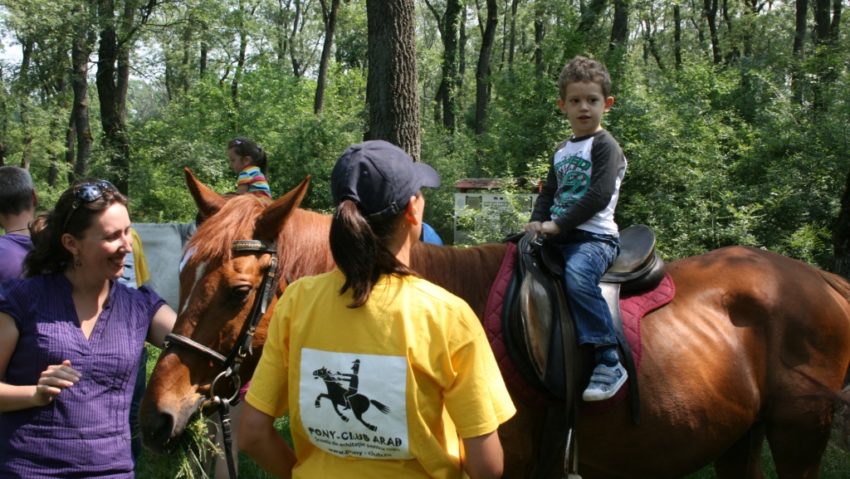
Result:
358,248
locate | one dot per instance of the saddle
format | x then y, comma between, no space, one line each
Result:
538,328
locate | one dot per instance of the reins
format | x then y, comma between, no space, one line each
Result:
242,348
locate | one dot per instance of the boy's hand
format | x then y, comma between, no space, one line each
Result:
549,228
534,226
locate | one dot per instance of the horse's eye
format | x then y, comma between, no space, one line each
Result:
240,294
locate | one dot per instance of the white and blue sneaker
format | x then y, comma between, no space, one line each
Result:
605,382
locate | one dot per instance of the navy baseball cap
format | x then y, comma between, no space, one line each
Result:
380,177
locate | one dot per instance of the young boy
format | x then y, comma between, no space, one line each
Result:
576,211
18,202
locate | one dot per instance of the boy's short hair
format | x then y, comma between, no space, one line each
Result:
15,190
583,69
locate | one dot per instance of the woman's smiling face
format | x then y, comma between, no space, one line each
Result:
104,244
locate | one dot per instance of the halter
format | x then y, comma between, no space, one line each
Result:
229,365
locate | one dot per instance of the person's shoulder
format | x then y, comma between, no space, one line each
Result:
432,293
605,136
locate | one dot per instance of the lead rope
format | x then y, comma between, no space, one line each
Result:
226,437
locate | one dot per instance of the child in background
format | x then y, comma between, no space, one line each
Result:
248,160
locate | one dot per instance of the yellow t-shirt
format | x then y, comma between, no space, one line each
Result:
384,389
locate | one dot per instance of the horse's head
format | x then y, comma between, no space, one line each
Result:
322,373
221,291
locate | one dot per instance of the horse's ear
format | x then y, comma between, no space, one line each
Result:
207,200
271,220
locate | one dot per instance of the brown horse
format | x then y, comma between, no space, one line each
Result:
754,346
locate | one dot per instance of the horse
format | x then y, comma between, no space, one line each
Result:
358,403
753,346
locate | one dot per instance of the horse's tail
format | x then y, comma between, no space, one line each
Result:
381,407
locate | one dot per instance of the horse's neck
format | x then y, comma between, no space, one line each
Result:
303,244
466,272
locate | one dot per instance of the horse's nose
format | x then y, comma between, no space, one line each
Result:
156,429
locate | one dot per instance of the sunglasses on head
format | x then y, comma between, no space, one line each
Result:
86,193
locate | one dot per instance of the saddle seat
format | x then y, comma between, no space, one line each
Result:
536,322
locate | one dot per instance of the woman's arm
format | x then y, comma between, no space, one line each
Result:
52,381
484,456
259,439
162,324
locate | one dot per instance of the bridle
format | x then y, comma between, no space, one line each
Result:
229,365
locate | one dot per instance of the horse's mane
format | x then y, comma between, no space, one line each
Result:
214,237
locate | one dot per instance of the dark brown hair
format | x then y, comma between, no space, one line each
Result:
359,250
245,147
583,69
49,254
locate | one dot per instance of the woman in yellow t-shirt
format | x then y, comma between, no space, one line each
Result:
383,374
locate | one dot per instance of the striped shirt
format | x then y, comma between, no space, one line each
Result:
256,181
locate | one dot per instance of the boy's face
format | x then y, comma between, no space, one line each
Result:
584,104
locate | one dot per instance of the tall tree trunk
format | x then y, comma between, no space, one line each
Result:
800,29
677,36
619,38
448,24
824,43
22,90
240,62
539,33
111,79
296,25
392,92
512,45
79,129
482,71
590,14
710,12
330,27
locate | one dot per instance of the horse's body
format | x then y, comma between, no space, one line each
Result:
753,346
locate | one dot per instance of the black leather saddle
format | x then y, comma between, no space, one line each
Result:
538,328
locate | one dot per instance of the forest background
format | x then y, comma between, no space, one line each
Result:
734,114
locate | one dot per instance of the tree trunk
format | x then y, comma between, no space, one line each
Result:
482,71
293,58
79,129
240,62
800,29
823,39
619,39
677,36
710,12
110,94
22,91
392,92
330,26
512,45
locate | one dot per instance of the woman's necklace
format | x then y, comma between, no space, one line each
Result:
19,229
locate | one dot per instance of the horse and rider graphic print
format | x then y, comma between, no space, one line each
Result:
355,404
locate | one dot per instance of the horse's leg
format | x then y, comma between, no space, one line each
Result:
743,459
798,432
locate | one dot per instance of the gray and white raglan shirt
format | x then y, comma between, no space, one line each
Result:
583,185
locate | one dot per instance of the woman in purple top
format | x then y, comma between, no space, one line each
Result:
70,340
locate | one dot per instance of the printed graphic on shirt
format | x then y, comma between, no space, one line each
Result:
573,181
355,404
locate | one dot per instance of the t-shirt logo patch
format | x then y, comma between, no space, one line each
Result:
354,404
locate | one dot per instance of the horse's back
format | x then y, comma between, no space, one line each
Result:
751,337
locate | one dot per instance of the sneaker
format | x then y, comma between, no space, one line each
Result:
605,382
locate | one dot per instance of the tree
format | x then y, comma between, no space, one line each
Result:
392,95
447,24
329,16
482,70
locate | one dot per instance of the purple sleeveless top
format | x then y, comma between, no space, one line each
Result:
83,432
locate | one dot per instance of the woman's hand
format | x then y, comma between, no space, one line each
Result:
54,380
549,228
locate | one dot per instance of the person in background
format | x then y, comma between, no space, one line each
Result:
70,340
575,210
249,161
426,378
18,202
136,274
430,235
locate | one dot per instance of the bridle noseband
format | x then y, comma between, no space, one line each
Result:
229,365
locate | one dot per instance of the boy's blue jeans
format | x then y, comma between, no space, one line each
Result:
586,258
